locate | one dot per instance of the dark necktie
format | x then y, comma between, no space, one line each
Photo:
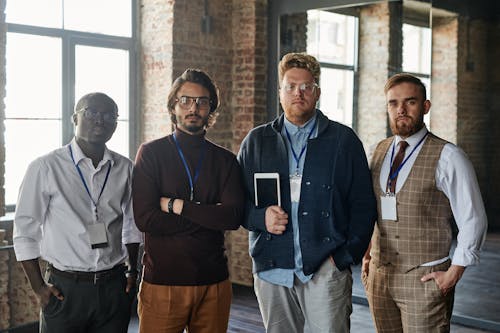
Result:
395,165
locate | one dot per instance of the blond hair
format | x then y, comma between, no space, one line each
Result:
299,60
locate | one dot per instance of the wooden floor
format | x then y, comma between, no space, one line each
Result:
476,309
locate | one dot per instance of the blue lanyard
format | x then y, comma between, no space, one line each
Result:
295,157
85,183
396,172
192,180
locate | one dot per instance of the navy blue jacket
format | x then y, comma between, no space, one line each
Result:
337,208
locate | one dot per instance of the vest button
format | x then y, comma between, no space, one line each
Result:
397,236
308,183
305,213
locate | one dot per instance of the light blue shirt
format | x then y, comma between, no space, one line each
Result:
298,140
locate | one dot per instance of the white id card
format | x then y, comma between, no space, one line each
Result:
97,235
388,207
295,183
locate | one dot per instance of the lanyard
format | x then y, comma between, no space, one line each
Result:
85,183
295,157
396,172
192,180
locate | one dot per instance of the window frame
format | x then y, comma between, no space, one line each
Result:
69,40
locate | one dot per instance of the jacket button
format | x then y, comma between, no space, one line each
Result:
305,213
397,236
325,214
270,263
326,239
268,237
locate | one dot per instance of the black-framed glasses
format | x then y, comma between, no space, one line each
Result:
305,88
92,114
186,102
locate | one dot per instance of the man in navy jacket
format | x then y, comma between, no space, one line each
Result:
303,250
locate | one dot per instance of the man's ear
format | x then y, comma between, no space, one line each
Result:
74,118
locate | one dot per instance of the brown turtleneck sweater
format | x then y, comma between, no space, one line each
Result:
186,249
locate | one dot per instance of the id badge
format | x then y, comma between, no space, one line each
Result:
388,207
97,235
295,183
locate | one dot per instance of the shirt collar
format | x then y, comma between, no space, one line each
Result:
78,154
293,129
414,139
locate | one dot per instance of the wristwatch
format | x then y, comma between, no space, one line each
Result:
170,205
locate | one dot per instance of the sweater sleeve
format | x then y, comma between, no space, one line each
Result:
146,199
226,214
361,205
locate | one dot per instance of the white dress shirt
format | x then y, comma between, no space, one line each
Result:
455,177
54,210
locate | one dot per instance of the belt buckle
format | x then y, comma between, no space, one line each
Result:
95,278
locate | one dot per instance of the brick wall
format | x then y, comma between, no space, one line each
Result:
3,41
492,191
472,92
233,52
443,114
156,23
374,46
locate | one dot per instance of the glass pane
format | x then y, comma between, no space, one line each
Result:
34,79
43,13
119,141
416,49
45,136
110,17
336,100
105,70
331,37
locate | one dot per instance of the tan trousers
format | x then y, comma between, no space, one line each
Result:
400,302
171,309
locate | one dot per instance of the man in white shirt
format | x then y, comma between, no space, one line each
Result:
408,275
75,211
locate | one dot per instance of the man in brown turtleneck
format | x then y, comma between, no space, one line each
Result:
186,191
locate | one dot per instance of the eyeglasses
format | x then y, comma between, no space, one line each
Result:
305,88
186,102
92,114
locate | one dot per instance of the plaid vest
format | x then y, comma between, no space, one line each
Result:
423,231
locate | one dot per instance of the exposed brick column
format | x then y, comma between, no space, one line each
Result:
3,42
156,24
379,40
473,121
492,174
443,114
208,50
249,105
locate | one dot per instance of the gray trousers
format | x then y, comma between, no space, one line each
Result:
321,305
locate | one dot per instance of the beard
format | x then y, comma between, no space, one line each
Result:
186,124
407,126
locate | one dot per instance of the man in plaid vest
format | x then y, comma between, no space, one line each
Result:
421,188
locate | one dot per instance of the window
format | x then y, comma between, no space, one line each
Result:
417,56
57,51
332,39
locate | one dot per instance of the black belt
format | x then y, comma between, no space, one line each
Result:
93,277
